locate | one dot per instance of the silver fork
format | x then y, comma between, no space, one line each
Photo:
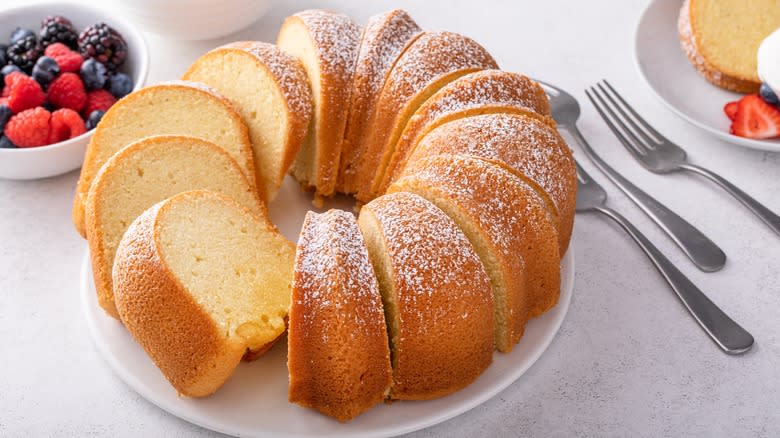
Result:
729,335
656,153
704,253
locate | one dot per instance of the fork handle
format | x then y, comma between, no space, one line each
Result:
759,209
702,251
730,336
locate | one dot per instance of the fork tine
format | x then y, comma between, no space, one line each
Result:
638,144
639,155
646,126
646,140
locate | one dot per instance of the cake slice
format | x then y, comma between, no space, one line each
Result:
721,39
436,295
385,38
174,108
338,356
483,92
271,92
429,63
509,227
201,281
147,172
327,44
532,149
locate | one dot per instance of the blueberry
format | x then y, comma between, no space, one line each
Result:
93,74
5,143
5,114
120,85
20,33
44,70
7,70
94,118
768,95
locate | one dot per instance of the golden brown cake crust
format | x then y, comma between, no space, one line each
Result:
526,145
293,85
336,39
92,162
687,32
509,215
384,39
338,355
483,92
431,58
444,301
179,336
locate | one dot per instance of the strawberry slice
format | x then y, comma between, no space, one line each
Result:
731,110
756,119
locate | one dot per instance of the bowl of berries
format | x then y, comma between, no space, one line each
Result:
62,66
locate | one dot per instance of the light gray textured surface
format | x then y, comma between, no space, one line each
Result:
628,361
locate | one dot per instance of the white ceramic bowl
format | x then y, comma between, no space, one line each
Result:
58,158
193,19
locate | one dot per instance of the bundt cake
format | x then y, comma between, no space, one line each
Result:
429,63
509,227
721,39
175,108
327,44
436,295
532,149
201,280
338,356
384,39
147,172
270,90
487,91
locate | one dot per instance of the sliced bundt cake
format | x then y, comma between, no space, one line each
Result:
200,281
170,108
384,40
271,92
509,227
338,356
147,172
327,44
429,63
436,295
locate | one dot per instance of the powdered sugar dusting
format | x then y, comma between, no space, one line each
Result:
337,38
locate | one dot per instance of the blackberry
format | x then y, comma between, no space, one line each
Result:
58,29
24,52
103,43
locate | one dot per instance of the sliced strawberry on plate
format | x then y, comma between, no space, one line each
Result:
731,109
756,119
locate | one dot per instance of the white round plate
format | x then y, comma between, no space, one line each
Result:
673,79
253,402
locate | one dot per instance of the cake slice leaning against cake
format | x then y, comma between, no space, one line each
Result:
429,63
532,150
384,39
338,355
483,92
200,281
169,108
327,44
270,90
509,227
436,295
144,173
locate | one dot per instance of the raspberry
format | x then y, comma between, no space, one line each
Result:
24,92
65,124
98,100
67,91
68,60
29,128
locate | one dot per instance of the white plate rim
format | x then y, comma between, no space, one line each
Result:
92,311
764,145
